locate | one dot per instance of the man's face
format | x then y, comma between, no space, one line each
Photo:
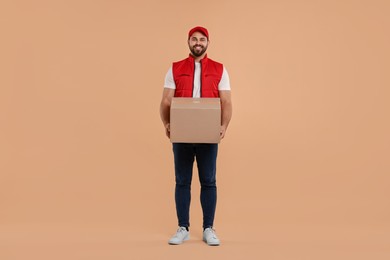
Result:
198,44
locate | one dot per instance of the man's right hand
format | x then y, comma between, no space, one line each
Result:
165,107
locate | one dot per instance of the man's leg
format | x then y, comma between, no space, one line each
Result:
206,158
184,161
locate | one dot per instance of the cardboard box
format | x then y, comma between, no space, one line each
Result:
195,120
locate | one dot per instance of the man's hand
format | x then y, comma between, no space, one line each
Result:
168,130
223,131
226,106
165,109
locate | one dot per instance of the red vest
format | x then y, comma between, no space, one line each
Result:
210,76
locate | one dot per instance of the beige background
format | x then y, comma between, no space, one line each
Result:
86,171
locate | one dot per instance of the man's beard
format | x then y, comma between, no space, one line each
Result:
198,53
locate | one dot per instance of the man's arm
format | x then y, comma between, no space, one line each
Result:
227,109
165,107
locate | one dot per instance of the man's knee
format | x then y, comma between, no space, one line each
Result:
208,184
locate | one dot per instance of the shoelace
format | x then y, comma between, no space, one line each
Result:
212,231
180,230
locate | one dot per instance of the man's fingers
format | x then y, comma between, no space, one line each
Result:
222,135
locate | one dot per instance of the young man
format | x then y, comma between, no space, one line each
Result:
196,76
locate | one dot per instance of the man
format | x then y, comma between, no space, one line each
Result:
196,76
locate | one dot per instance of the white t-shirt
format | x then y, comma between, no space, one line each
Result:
224,84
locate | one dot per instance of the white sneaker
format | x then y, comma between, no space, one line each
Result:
210,237
181,235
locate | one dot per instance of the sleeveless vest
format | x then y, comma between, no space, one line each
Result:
210,76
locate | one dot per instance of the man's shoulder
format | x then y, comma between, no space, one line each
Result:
180,61
216,63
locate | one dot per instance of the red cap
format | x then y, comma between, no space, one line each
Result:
199,29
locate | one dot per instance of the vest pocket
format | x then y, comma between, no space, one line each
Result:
211,82
183,75
213,79
182,79
211,75
183,85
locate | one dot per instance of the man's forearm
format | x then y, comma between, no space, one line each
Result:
227,109
165,113
165,106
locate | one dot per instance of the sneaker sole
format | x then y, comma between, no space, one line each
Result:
179,243
211,244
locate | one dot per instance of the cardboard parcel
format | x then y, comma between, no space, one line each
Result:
195,120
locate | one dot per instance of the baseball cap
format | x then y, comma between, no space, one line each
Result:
198,29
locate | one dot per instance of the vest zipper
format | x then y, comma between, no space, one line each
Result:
193,81
200,77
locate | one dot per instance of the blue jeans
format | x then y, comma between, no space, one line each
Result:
206,158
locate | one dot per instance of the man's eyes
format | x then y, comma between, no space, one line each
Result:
201,39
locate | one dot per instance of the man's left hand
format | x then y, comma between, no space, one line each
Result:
223,131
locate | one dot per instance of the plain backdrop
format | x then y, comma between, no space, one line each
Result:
86,171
